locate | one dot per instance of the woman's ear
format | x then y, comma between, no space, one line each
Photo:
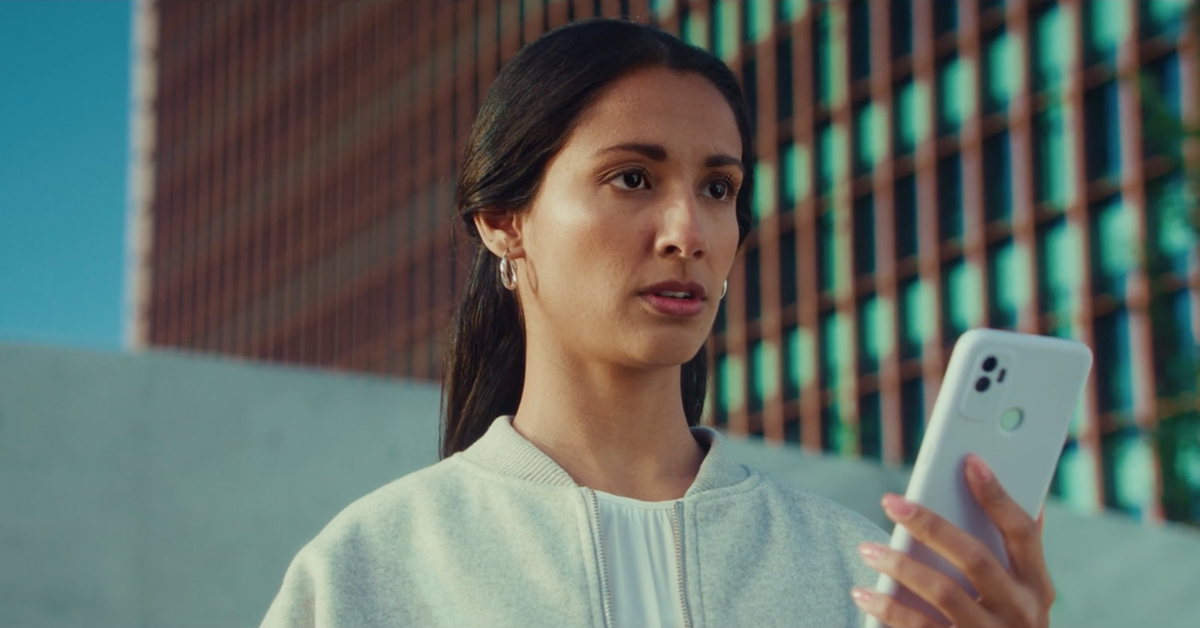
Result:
500,232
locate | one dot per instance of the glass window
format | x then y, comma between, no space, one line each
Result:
795,182
916,317
874,332
864,235
1105,27
1161,129
826,252
822,57
1051,168
1112,246
1102,135
909,121
750,87
961,292
950,206
764,373
831,158
835,344
836,434
1075,480
1050,51
945,16
797,361
763,205
1174,344
870,138
783,79
902,27
956,99
860,39
1179,460
787,268
997,178
1172,237
1059,269
1113,364
789,10
1001,71
695,29
912,417
1161,18
870,436
905,199
725,19
1008,284
731,386
1128,471
756,20
753,289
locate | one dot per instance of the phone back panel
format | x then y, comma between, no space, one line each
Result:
1038,376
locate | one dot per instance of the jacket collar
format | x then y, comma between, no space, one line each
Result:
502,450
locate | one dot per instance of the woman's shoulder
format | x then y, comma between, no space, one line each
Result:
812,510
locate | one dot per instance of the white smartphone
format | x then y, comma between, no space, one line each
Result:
1009,399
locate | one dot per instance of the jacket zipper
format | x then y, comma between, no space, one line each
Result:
677,523
606,595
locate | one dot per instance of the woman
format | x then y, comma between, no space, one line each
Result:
607,188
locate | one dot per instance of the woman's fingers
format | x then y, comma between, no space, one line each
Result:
927,583
1020,532
889,611
971,557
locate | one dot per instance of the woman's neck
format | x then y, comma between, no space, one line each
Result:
616,430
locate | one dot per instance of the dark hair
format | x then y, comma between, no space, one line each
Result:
528,113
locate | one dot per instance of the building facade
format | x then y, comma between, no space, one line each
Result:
924,167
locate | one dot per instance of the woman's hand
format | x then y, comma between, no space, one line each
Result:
1019,596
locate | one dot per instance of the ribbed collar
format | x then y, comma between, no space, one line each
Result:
502,450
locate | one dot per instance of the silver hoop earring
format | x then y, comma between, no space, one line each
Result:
508,273
724,289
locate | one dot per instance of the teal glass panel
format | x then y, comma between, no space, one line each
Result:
909,118
1059,261
1113,248
1114,364
904,199
1172,237
1105,28
837,434
784,88
1162,130
1075,480
961,292
822,57
997,178
725,20
763,205
912,417
864,235
1129,472
1050,52
1102,132
796,176
1174,344
950,198
1162,18
756,20
1179,460
826,252
765,374
791,10
901,23
870,138
1052,172
860,39
916,317
731,385
825,166
753,283
799,369
945,17
1008,284
870,434
695,31
835,344
1001,71
875,333
955,101
787,269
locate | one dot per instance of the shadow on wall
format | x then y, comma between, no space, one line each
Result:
166,490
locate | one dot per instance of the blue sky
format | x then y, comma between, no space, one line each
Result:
64,103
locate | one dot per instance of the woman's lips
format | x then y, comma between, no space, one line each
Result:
675,306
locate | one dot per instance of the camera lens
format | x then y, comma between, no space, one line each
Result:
982,384
989,364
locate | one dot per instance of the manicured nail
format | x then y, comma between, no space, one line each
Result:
862,597
870,552
979,470
898,506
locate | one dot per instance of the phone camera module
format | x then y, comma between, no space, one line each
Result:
989,364
982,384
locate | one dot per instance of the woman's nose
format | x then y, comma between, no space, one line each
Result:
681,234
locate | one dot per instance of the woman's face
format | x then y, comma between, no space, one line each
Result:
633,231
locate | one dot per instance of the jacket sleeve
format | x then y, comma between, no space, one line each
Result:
295,605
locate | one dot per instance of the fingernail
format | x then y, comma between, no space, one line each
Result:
862,597
870,552
898,506
979,470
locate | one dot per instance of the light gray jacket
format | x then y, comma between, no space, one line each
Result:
499,535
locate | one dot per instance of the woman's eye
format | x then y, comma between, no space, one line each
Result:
631,180
718,190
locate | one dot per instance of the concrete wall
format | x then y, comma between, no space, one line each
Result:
161,490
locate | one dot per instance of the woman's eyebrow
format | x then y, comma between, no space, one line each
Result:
656,152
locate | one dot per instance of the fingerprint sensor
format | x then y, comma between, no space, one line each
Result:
1011,419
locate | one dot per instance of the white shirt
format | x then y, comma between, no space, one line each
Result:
643,570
